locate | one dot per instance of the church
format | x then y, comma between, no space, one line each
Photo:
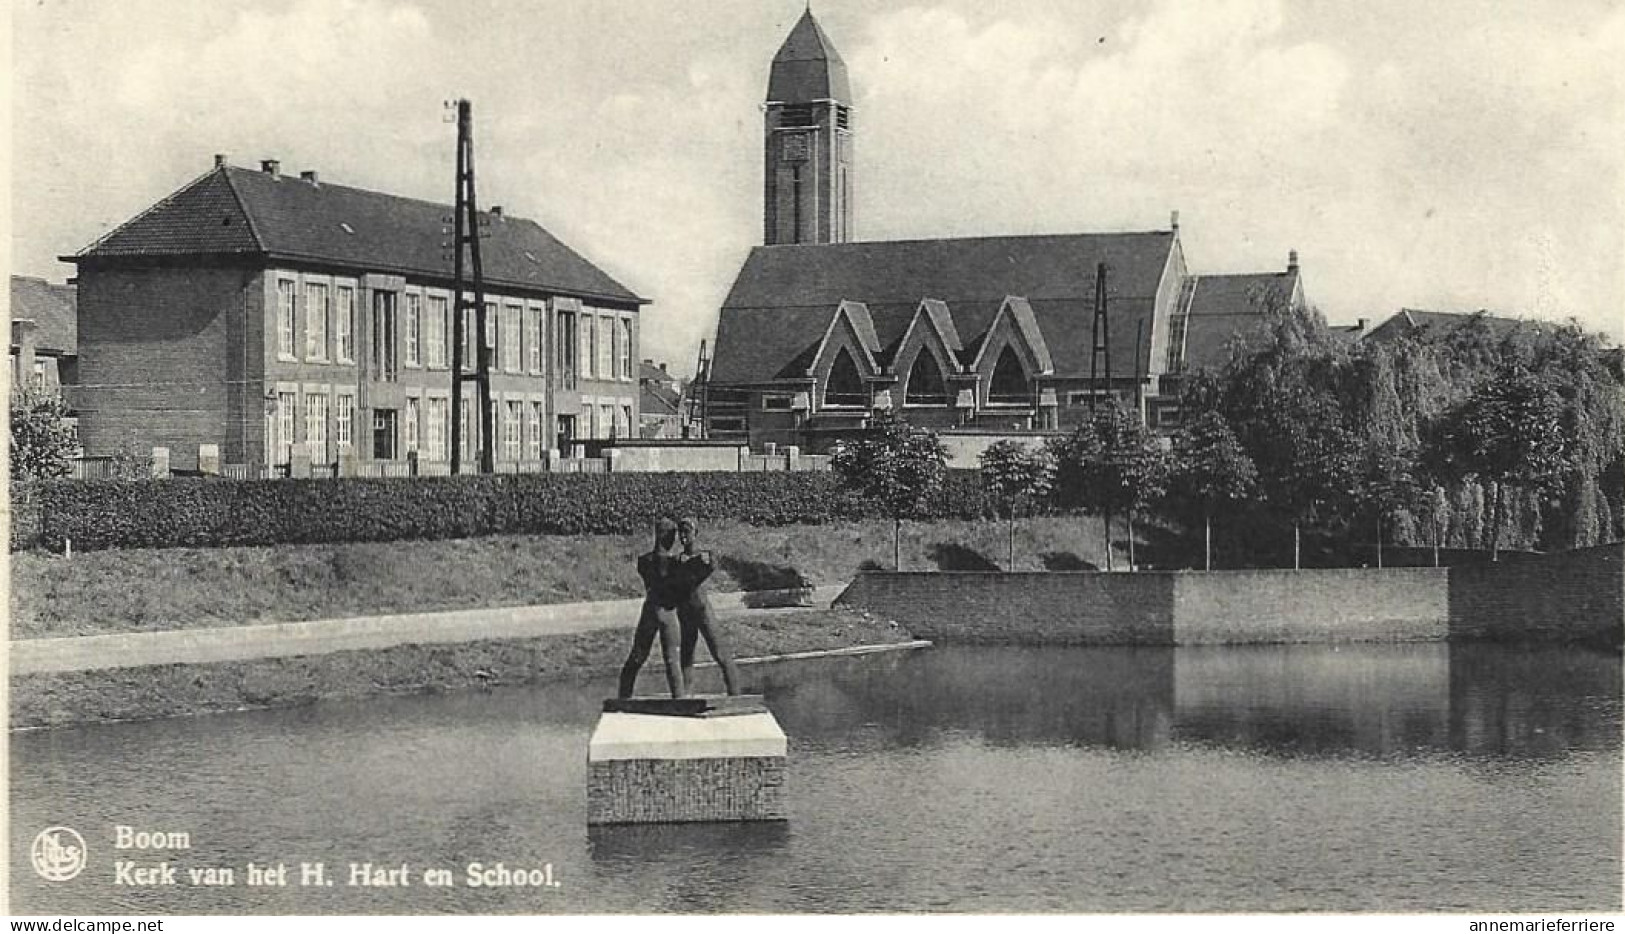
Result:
822,332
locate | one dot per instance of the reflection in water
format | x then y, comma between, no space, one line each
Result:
1337,778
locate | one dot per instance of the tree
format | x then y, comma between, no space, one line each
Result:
43,443
1210,473
898,467
1509,432
1018,477
1111,463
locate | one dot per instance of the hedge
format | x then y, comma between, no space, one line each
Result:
207,512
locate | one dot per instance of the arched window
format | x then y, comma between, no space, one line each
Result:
925,384
845,385
1009,383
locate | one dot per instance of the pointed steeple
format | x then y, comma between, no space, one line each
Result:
807,67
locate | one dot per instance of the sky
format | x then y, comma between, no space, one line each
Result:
1452,155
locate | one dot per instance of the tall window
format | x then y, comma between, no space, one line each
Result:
627,372
628,429
286,319
606,421
588,356
533,433
535,329
286,425
344,325
845,385
437,428
468,426
510,338
316,312
316,425
606,349
413,328
513,423
1009,383
435,332
384,345
344,421
925,383
470,352
566,340
492,332
412,413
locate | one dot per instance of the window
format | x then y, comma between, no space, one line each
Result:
384,358
286,425
411,414
470,352
925,383
467,425
606,421
316,312
1009,383
535,325
383,434
344,325
435,332
627,371
285,319
844,386
492,331
316,425
513,423
626,422
606,349
510,338
438,425
775,402
533,434
344,421
413,325
566,340
588,355
590,413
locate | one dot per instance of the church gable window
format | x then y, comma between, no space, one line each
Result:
844,386
1009,383
925,382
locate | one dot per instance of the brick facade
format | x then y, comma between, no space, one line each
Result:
1570,596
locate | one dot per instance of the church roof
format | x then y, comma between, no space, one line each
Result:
232,210
807,67
784,296
1233,307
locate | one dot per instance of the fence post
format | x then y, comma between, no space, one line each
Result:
208,460
160,463
611,455
792,458
299,460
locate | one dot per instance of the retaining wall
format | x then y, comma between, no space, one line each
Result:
1570,596
1161,607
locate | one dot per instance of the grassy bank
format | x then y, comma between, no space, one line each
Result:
178,588
62,699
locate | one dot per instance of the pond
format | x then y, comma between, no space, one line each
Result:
1408,778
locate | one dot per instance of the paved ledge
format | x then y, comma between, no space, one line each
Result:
318,637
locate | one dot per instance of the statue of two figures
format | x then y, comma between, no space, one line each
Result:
676,611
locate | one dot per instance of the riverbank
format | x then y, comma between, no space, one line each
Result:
152,590
61,698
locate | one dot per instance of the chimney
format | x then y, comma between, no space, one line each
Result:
309,175
1173,220
496,210
271,167
663,366
1362,324
219,160
1292,261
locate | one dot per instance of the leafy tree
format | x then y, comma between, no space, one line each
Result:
43,443
1210,473
1509,432
1111,463
1018,477
898,467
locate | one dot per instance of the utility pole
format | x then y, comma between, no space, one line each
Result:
700,391
1101,359
468,235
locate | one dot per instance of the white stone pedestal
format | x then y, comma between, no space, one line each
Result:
649,768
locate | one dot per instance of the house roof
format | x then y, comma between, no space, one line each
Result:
656,399
807,68
1414,320
52,307
232,210
784,296
1228,308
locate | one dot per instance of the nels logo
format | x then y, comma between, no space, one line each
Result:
58,854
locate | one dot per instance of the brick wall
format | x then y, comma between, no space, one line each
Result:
156,363
1160,608
1570,596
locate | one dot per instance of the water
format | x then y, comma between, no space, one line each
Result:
1374,778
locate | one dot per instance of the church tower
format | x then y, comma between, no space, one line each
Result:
809,141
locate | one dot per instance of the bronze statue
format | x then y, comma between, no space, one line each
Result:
694,610
662,595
